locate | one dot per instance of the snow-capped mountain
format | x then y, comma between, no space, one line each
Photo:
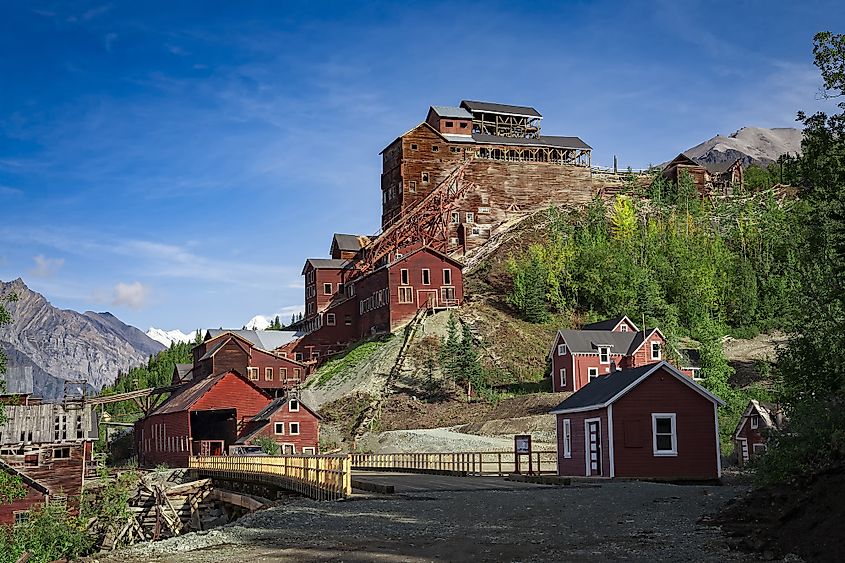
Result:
168,337
258,322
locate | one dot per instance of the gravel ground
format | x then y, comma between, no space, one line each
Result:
437,440
629,521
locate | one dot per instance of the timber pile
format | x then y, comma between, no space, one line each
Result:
160,510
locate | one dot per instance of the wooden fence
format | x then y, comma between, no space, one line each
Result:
321,477
469,463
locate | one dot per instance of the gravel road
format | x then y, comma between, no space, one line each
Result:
438,440
628,521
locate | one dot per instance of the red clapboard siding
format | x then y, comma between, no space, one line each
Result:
309,429
7,510
576,466
696,430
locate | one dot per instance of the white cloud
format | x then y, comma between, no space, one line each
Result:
46,267
133,295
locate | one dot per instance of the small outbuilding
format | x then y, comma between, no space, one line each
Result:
288,422
752,430
648,422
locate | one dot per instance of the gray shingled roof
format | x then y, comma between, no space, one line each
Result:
491,107
326,263
183,372
350,243
265,339
599,392
718,167
588,341
543,141
607,324
451,111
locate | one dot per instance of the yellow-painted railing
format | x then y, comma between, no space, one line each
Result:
471,463
321,477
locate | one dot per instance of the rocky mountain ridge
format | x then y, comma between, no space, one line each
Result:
63,345
753,145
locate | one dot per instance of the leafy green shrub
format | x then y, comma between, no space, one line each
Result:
49,534
268,446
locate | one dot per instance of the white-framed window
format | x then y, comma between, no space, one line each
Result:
297,374
293,428
288,449
563,377
426,276
696,374
757,449
412,186
655,350
327,289
298,356
476,231
413,146
470,217
330,319
406,294
293,405
424,177
567,438
623,328
456,217
309,451
283,374
561,349
447,276
664,434
755,422
252,373
268,374
21,516
279,428
347,320
604,354
592,373
403,274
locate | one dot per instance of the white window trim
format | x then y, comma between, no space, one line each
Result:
292,448
592,373
290,429
447,276
561,349
423,276
268,374
291,404
330,319
755,422
470,217
659,351
404,277
607,361
250,371
310,450
758,449
562,374
329,292
567,438
276,428
664,453
623,328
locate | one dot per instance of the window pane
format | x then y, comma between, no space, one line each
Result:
664,442
664,425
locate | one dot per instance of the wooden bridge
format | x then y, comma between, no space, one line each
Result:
330,477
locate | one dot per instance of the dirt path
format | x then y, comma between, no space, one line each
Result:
615,521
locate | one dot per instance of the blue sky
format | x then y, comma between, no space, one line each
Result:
175,162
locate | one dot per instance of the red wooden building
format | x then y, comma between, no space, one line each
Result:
380,301
649,422
751,431
36,495
206,416
250,352
580,356
288,422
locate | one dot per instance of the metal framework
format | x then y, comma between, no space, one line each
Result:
505,125
562,156
425,223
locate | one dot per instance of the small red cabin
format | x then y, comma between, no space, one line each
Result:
649,422
751,431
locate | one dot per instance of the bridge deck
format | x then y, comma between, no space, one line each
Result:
418,482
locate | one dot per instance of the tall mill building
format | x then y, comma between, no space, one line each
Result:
512,166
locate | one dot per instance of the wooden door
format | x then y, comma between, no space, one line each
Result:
593,430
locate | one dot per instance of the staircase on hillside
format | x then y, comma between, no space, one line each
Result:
374,411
